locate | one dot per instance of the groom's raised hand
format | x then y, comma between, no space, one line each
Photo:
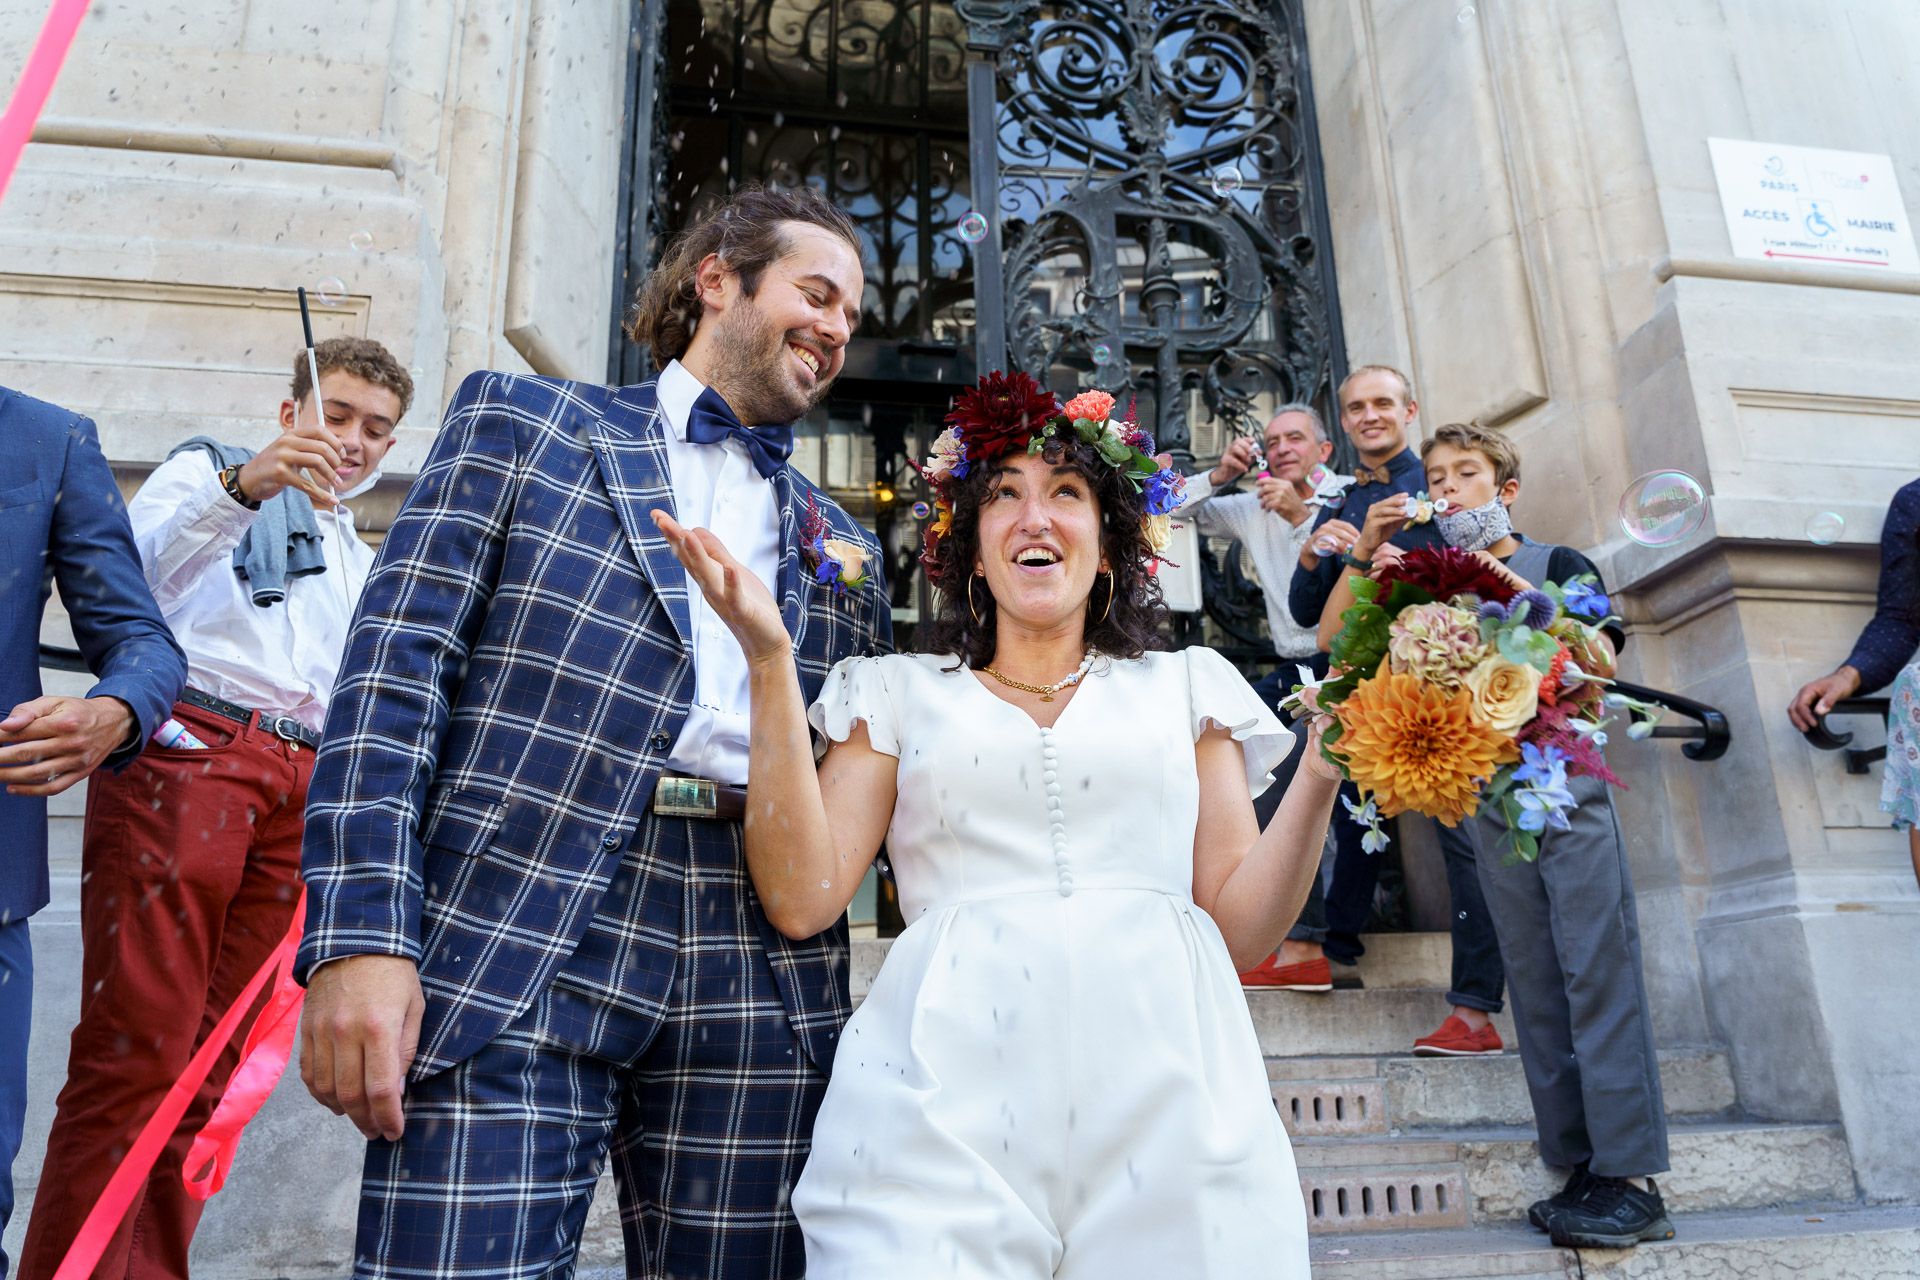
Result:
358,1034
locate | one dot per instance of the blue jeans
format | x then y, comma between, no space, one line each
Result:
16,1019
1273,686
1338,907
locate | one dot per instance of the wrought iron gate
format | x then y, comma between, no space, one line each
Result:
1148,173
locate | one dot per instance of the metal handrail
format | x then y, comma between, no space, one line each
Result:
1708,738
1858,760
56,658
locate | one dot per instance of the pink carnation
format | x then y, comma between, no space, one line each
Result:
1094,406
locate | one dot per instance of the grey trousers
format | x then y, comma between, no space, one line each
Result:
1571,942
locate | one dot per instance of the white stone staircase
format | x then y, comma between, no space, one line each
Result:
1414,1169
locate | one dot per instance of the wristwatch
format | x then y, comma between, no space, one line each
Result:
1353,561
230,481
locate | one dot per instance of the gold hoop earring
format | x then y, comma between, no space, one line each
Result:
970,607
1104,613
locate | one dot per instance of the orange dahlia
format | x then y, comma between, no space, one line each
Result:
1415,746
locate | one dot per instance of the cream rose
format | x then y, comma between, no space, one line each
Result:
1159,532
853,560
1505,694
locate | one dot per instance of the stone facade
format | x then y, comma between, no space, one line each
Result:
1524,217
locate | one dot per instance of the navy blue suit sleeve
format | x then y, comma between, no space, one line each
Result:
1889,640
418,620
116,623
1308,591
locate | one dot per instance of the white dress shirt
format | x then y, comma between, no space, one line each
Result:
715,487
1273,543
282,658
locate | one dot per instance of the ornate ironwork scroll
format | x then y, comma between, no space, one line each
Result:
1154,176
1157,202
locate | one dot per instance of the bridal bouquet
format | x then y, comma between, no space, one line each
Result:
1452,690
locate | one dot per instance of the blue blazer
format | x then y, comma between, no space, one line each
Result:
518,670
61,519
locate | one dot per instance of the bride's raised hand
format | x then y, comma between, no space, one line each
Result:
732,590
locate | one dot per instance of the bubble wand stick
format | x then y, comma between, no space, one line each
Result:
333,513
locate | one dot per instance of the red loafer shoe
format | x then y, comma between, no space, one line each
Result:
1455,1040
1308,975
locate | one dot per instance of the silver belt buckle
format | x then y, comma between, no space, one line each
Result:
684,798
287,729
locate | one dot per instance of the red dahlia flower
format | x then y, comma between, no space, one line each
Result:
1444,573
1000,414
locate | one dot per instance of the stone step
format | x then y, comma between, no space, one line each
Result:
1808,1242
1369,1183
1325,1096
1393,961
1341,1023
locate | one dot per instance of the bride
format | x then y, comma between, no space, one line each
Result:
1055,1074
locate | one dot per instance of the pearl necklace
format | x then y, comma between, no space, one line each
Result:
1046,691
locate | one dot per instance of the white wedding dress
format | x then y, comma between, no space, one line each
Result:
1055,1074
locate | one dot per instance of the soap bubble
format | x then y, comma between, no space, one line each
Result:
921,511
416,372
973,227
1226,180
1465,15
1662,507
1102,353
361,240
1824,528
330,291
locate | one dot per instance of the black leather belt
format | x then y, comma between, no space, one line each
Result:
677,797
285,728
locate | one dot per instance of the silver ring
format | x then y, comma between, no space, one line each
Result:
52,778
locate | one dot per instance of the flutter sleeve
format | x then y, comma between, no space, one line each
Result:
1221,697
856,689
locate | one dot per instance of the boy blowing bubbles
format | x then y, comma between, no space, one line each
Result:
1566,924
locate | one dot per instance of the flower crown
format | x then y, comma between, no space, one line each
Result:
1005,412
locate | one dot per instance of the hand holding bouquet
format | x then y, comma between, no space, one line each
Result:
1454,689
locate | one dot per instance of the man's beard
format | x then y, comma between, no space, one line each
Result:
753,370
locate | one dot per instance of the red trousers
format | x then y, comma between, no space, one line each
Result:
192,864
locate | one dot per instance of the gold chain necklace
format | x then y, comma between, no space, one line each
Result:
1046,691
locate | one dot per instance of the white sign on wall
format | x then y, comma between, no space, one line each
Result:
1807,204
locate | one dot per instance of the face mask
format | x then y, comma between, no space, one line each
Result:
360,487
1475,530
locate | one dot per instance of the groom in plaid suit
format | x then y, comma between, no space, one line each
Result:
532,944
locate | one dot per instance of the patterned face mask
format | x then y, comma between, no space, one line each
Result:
1477,529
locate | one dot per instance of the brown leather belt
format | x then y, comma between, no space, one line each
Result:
677,797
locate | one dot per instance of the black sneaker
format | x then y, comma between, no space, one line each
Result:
1614,1214
1542,1212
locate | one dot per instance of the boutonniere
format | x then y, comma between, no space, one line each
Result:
834,562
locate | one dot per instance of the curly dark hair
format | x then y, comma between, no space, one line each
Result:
363,358
1131,627
749,234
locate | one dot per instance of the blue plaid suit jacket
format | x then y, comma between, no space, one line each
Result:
518,669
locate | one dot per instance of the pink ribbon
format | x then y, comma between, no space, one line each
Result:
36,82
263,1060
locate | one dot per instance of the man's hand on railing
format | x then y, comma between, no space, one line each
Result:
1819,697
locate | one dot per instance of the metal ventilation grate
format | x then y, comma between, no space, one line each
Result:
1385,1200
1331,1108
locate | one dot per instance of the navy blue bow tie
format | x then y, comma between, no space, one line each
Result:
712,421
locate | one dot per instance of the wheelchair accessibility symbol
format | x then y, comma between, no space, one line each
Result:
1818,219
